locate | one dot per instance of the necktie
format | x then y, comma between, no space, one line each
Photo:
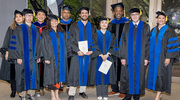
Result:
135,25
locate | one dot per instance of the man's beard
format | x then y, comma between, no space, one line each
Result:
84,19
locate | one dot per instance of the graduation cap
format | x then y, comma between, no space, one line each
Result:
84,8
17,12
132,10
51,16
26,11
161,13
117,5
104,18
41,10
67,7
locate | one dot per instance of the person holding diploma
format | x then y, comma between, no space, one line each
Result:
103,46
164,52
80,31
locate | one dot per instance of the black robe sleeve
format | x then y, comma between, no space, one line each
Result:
170,53
73,41
112,46
122,44
45,44
17,52
97,51
147,41
7,38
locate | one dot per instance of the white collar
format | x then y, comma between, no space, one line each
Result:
136,23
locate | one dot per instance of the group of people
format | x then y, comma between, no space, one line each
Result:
47,54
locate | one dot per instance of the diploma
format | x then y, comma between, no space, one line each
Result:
105,66
83,46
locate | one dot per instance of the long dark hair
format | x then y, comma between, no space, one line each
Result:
48,26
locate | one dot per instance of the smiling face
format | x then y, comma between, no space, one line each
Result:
135,16
54,23
19,18
28,17
103,24
118,12
161,20
66,14
84,15
41,16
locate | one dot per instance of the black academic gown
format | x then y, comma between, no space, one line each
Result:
117,28
96,53
5,65
164,73
50,70
144,55
73,77
66,28
17,52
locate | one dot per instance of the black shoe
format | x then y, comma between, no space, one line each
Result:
83,95
127,97
71,98
13,94
22,98
30,97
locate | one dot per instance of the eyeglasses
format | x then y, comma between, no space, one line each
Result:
135,14
29,15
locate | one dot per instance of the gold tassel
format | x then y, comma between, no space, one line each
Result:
89,12
58,21
107,21
166,18
23,16
140,12
34,14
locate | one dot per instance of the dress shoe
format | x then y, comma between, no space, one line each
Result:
13,94
71,98
41,92
99,98
83,95
22,98
30,97
113,93
121,96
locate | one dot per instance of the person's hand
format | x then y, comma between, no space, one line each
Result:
146,62
6,56
89,53
105,57
47,61
80,53
19,61
167,61
123,62
38,61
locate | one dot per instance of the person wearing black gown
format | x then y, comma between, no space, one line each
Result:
55,50
103,49
26,50
66,22
40,24
164,51
80,62
134,54
7,71
116,26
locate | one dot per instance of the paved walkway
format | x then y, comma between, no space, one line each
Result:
91,92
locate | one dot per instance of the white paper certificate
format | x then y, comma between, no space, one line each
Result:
83,46
105,66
